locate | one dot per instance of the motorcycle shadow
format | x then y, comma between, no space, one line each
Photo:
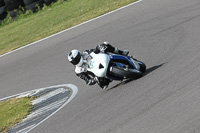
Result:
149,70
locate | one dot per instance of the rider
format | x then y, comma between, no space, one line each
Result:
80,61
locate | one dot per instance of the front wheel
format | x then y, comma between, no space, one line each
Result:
128,73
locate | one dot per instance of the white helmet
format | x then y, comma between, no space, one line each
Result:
75,57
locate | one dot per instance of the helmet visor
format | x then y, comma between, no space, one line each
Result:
76,60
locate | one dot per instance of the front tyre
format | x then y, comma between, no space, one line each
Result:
127,73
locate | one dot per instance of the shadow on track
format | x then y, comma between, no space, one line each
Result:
149,70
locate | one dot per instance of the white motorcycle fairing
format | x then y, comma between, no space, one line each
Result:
99,64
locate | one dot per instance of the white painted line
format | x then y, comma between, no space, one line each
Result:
74,92
27,93
51,94
71,28
42,110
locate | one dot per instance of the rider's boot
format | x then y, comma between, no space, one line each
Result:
121,52
103,82
104,87
107,81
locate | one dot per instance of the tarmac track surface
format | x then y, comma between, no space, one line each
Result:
165,34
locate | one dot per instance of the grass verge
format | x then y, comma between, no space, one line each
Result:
53,19
13,111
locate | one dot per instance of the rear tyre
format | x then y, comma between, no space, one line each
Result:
142,66
129,73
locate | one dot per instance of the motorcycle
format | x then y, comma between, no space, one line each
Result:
115,67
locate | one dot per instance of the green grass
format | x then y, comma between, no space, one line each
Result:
13,111
50,20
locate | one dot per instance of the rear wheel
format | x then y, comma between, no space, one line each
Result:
142,66
128,73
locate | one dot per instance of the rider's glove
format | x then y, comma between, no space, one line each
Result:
91,81
102,47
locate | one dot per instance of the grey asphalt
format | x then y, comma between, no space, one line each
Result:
165,34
